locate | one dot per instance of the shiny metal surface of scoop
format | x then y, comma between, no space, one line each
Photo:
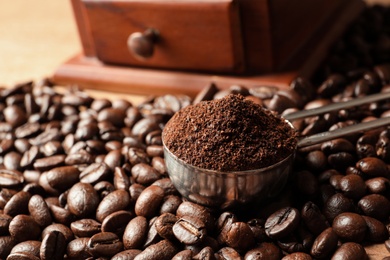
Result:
228,189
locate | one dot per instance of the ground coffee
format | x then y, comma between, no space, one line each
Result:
229,134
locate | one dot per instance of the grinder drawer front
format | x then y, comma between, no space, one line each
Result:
201,35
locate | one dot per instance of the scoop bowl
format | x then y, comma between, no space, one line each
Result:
226,189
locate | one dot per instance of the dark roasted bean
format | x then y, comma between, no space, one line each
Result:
53,246
135,233
163,250
85,227
350,227
282,222
104,244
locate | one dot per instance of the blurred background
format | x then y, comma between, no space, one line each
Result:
37,36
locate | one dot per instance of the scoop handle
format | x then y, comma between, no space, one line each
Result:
340,132
337,106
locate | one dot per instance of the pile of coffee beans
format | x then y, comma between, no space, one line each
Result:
229,134
84,178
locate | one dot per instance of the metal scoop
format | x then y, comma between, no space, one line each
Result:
227,189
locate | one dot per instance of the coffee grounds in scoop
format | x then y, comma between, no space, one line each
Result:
229,134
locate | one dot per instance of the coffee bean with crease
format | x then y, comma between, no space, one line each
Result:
325,244
164,224
105,244
282,223
85,227
53,246
116,222
313,218
189,230
163,250
265,250
77,248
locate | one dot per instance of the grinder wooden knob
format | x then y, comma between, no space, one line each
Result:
141,45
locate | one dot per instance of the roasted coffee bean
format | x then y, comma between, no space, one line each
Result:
350,251
104,244
240,236
85,227
158,163
297,255
227,253
325,244
6,145
191,209
336,205
341,160
11,160
206,253
14,115
144,126
189,230
22,256
116,222
152,237
81,157
372,166
264,251
53,246
378,185
31,247
353,186
4,224
39,211
314,220
144,174
282,223
375,205
170,204
316,160
94,173
164,224
61,178
155,150
82,199
135,233
10,178
103,188
61,215
5,196
66,231
51,148
224,223
114,201
350,227
18,204
149,201
376,230
126,255
137,155
77,248
6,244
337,145
47,163
121,180
113,159
163,250
23,227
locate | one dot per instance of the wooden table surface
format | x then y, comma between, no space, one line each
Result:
37,36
